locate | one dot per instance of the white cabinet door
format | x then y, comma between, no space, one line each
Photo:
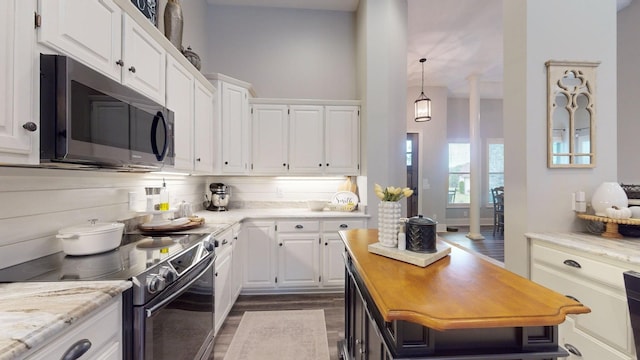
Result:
18,98
180,101
298,260
269,125
239,250
235,129
260,257
306,144
222,285
204,134
332,260
342,140
144,61
90,31
102,329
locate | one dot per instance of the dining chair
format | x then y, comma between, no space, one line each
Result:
498,209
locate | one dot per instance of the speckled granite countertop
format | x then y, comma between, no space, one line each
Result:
33,313
625,250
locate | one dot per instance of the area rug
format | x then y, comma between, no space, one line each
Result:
280,335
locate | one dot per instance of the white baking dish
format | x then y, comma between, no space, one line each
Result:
92,238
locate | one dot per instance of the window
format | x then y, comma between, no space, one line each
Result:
495,164
459,173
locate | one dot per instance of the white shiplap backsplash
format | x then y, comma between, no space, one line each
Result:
39,202
36,203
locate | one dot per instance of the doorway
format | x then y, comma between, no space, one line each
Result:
413,167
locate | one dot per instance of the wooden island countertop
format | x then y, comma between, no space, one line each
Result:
459,291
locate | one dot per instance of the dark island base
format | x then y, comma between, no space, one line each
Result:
368,336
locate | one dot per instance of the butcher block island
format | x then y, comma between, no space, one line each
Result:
459,307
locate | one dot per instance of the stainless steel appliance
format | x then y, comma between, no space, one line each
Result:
88,119
220,194
169,311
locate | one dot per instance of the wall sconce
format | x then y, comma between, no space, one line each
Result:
423,103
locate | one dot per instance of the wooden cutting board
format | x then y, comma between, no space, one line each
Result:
192,224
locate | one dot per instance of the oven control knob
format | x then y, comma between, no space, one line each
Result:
168,274
208,245
155,283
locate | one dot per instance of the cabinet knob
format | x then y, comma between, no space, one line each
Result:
299,226
343,226
120,62
327,164
572,349
280,244
198,160
77,350
572,263
226,163
132,69
320,165
284,164
30,126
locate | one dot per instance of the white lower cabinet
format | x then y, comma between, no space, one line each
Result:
260,255
295,255
102,332
596,282
223,278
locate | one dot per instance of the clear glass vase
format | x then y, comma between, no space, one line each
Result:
388,223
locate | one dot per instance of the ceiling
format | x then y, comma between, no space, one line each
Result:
459,38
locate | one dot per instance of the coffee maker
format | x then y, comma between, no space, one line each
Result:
220,194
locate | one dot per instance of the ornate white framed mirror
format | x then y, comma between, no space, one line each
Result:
571,113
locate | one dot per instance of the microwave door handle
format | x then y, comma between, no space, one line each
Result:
154,129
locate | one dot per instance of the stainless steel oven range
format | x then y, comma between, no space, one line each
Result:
169,311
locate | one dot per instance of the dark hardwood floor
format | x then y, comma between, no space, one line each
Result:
491,246
333,305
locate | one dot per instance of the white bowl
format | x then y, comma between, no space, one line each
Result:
317,205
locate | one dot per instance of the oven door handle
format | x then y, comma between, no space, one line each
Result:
150,312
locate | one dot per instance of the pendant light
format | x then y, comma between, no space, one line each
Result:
423,103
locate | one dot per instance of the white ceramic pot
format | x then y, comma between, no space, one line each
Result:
608,194
92,238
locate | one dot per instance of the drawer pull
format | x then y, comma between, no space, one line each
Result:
299,226
572,298
343,226
572,349
224,242
77,350
572,263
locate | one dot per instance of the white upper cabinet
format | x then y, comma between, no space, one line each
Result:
19,120
180,100
235,128
204,151
323,139
306,139
102,36
269,125
342,140
90,31
144,61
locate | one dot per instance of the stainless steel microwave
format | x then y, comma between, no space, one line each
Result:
88,119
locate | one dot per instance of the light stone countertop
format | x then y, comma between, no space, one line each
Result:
238,215
626,250
33,313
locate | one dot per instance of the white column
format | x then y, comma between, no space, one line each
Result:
476,176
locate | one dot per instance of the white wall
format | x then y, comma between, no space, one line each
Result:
432,154
284,53
382,85
538,198
39,202
628,92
